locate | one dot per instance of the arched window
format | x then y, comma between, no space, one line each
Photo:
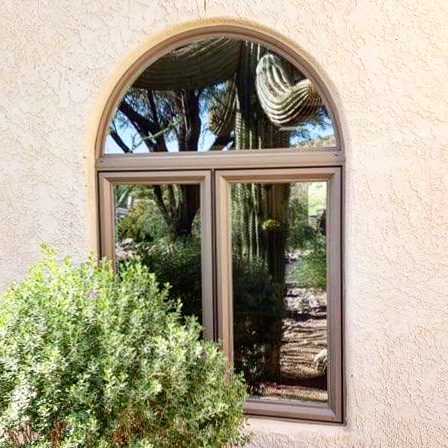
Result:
221,168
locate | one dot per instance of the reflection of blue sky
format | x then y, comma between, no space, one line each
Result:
308,131
311,131
133,140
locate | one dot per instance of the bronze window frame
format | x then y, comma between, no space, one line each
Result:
215,177
223,180
172,168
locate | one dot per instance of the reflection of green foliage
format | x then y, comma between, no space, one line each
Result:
311,271
257,311
317,198
179,264
143,223
271,224
305,208
122,194
257,308
157,211
299,232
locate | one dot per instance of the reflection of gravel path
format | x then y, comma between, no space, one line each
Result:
304,336
304,333
302,341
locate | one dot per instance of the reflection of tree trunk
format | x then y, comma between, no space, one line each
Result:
272,352
274,211
181,202
186,210
178,205
189,128
260,228
322,223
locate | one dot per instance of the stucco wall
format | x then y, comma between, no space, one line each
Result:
386,64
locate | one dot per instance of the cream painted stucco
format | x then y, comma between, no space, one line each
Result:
385,62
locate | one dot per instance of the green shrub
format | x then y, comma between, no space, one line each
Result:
311,271
178,263
258,308
93,359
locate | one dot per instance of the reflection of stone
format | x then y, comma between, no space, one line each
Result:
321,361
304,333
305,302
124,249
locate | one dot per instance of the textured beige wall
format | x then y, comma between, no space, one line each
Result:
386,63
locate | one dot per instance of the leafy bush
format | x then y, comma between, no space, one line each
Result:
258,310
89,358
311,271
178,263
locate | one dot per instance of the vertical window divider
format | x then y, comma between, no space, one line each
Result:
223,265
207,256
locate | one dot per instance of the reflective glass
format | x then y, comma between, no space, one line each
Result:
161,225
220,94
279,269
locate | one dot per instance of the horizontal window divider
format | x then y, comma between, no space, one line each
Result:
306,412
228,160
153,178
280,175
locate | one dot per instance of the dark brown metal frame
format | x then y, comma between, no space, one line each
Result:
206,169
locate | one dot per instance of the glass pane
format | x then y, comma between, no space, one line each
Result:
161,224
279,288
220,94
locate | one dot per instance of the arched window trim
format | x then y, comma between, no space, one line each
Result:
321,163
286,50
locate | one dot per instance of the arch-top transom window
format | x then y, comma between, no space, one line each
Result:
221,168
220,94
